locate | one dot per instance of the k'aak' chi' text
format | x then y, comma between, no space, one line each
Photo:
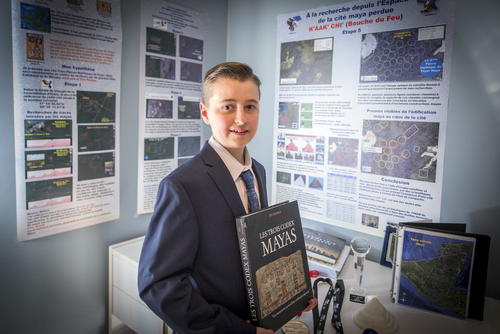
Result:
277,237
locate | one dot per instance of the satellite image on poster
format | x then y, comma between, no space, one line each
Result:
288,115
48,163
96,137
160,67
96,166
188,108
427,263
160,41
35,18
156,108
188,146
415,54
47,133
191,71
307,62
41,194
191,48
95,107
158,148
402,149
280,281
343,151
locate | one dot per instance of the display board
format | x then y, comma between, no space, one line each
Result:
360,111
66,81
171,67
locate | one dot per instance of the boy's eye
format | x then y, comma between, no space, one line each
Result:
251,107
227,107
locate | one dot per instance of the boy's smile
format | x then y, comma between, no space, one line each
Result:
232,111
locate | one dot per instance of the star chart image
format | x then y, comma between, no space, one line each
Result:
402,149
307,62
415,54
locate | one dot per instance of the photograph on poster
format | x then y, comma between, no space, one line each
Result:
306,115
369,220
283,177
95,107
35,18
299,180
160,41
47,133
41,194
402,149
191,48
48,163
96,137
315,182
415,54
191,71
156,108
159,67
302,148
188,107
96,166
307,62
288,115
343,152
188,146
158,148
34,46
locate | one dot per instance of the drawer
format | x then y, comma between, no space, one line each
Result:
125,277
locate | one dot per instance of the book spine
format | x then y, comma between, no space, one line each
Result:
247,273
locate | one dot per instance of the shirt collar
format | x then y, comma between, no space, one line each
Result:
233,165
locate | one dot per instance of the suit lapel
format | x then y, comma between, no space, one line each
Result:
219,173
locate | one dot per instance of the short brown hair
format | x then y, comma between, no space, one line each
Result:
230,70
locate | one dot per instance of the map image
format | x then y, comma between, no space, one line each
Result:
403,55
158,148
191,47
49,163
191,71
435,273
41,194
156,108
159,67
402,149
280,281
343,151
160,41
96,166
35,17
95,107
47,133
188,108
307,62
288,115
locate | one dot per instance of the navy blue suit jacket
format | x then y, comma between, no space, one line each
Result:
190,271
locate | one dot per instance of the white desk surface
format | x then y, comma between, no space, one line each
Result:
377,281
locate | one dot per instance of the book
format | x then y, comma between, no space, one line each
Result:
274,264
324,269
440,268
326,248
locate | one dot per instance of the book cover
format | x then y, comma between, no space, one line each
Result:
323,246
274,264
441,271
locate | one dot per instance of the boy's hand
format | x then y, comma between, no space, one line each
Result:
312,304
261,330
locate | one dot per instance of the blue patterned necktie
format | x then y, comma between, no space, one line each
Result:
253,200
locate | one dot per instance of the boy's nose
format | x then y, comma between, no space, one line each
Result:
240,117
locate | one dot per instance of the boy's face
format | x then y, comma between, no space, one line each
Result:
232,111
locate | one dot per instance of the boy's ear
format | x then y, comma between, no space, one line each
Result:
204,113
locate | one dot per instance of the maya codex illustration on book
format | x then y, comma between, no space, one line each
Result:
274,264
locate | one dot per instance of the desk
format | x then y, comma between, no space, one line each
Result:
126,306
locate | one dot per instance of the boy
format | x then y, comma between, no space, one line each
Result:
190,270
